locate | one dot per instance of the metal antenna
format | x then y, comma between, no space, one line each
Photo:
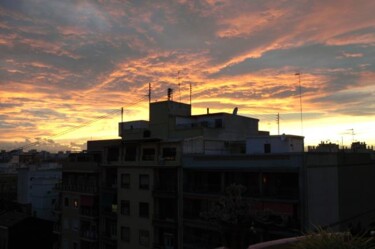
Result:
179,83
149,101
278,123
300,99
149,92
191,90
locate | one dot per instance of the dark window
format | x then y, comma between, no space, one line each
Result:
113,154
144,181
148,154
125,234
169,153
130,153
66,202
218,123
125,207
267,148
125,180
143,210
146,133
144,238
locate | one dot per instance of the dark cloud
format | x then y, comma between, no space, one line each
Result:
305,58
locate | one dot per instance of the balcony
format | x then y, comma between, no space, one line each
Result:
203,188
57,207
110,187
110,212
89,235
164,190
91,213
57,228
79,188
164,221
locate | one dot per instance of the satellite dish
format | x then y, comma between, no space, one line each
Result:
235,110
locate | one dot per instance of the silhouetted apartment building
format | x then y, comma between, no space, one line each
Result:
77,207
154,184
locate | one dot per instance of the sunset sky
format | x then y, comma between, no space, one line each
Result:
66,63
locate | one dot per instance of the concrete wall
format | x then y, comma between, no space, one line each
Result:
322,196
340,190
135,195
278,144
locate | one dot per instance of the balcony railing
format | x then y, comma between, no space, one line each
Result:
89,212
164,218
81,188
203,188
89,234
165,188
57,227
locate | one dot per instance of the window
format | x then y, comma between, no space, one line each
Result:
144,181
267,148
144,238
218,123
148,154
66,202
125,234
75,225
125,207
169,153
75,203
125,180
130,153
113,154
143,210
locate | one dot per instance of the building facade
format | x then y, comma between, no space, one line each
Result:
154,184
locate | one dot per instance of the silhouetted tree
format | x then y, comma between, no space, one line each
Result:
234,215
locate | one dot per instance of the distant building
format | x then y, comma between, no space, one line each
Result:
37,187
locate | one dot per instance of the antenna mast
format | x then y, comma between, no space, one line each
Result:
149,92
300,99
278,123
191,90
179,83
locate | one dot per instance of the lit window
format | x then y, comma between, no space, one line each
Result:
75,203
169,153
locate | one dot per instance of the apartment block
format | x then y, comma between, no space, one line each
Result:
154,184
